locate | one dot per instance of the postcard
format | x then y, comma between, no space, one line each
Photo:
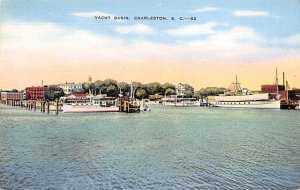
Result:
133,94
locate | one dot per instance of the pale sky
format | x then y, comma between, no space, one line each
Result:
62,41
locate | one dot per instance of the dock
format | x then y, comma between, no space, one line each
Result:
42,105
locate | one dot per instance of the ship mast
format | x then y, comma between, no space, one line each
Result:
131,91
236,83
276,82
236,86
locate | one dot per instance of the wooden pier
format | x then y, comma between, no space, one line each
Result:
128,106
43,106
125,105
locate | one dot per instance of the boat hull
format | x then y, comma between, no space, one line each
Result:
181,104
271,104
87,109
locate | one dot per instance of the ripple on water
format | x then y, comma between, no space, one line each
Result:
170,148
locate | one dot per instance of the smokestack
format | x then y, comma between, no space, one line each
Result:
283,82
42,83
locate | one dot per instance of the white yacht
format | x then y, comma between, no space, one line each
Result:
240,98
180,102
246,101
91,104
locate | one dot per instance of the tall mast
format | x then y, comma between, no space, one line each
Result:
283,79
276,82
235,86
236,83
131,91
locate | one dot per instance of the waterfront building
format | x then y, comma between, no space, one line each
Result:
274,90
180,89
70,88
8,95
35,92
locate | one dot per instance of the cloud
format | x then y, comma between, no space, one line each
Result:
33,35
205,10
294,40
250,13
136,28
239,44
193,29
91,14
238,34
47,43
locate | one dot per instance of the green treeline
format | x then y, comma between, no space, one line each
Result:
113,88
154,89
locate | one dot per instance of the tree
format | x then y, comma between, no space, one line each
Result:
210,91
154,88
98,86
135,86
53,92
189,93
188,90
14,90
125,88
168,86
87,87
169,91
109,87
141,93
112,90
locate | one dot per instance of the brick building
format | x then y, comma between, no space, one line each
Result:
272,89
35,92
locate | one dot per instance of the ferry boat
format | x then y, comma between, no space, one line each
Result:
240,98
180,101
91,104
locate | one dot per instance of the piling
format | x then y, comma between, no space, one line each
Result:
48,107
56,106
44,105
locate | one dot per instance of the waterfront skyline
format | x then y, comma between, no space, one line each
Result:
62,41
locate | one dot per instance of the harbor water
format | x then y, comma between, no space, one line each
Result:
166,148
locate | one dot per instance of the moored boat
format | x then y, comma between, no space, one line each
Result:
236,97
261,101
180,101
91,104
82,107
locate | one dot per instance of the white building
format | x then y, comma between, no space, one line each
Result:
70,88
180,90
